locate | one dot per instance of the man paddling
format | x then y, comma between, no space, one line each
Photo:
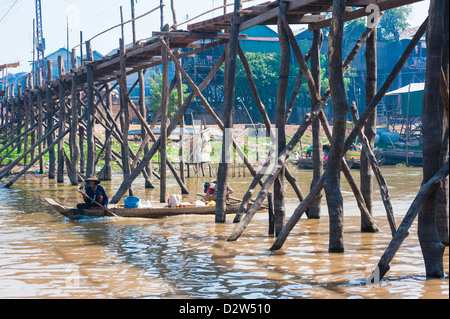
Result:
95,194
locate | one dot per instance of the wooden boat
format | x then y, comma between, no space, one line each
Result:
156,211
398,156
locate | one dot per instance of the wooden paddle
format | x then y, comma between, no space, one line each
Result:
109,211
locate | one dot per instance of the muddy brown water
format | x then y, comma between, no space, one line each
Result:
43,255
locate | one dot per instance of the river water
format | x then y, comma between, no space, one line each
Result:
43,255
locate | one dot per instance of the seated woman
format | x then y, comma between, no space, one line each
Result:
94,193
211,190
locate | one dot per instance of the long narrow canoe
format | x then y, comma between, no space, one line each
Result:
156,211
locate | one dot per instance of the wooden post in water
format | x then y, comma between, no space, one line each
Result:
442,212
39,121
432,248
164,118
280,119
125,112
370,128
317,153
75,152
62,120
230,76
50,121
108,102
340,108
90,109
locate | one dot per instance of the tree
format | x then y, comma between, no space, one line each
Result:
394,22
156,94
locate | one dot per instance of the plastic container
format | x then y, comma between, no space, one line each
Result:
131,202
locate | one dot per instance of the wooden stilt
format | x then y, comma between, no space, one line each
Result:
62,120
50,121
317,153
280,120
75,152
432,136
164,118
108,142
368,151
370,128
230,75
125,112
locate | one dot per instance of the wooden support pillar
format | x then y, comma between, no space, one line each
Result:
285,154
40,127
370,128
229,88
27,122
432,248
75,151
280,119
164,118
340,109
317,153
108,103
180,103
90,109
143,110
125,112
33,117
20,115
442,209
50,122
62,121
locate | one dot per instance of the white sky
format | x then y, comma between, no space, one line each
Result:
94,16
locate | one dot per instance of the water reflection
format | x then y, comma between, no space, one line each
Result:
44,255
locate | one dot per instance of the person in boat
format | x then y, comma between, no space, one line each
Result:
94,193
211,189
